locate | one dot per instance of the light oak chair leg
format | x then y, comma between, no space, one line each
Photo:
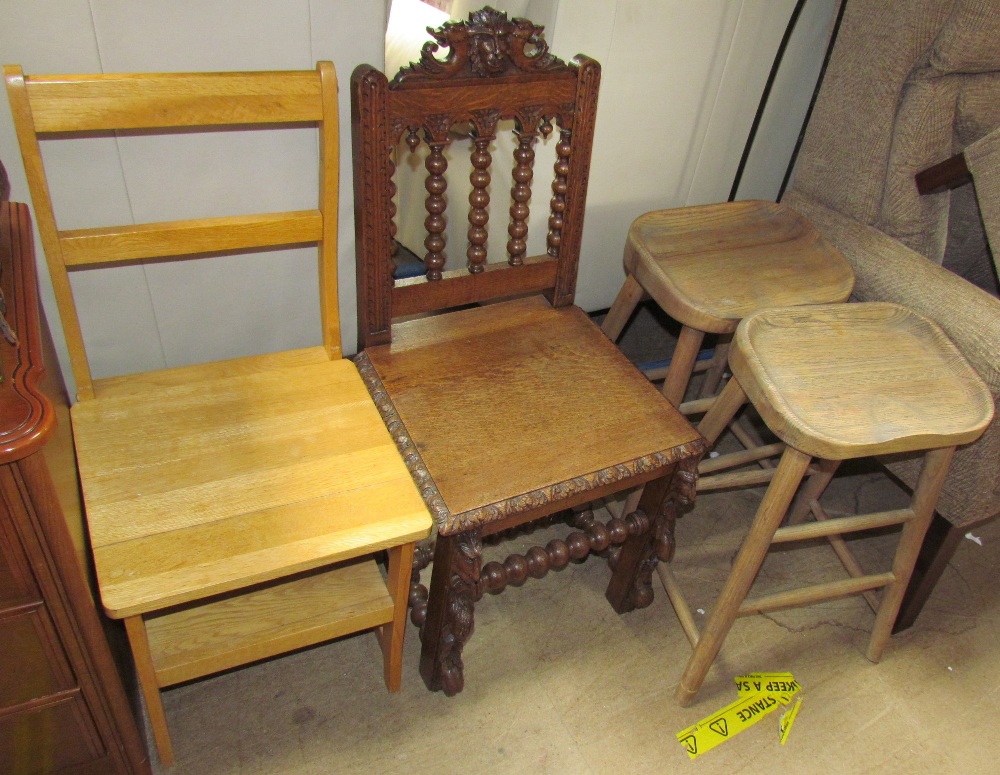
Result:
682,364
390,635
772,510
925,495
621,310
940,543
138,640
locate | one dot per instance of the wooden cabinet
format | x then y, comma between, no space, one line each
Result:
63,707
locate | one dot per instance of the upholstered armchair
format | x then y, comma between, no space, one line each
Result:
911,84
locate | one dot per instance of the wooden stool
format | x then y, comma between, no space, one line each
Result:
709,266
836,382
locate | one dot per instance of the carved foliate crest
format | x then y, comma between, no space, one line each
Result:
487,45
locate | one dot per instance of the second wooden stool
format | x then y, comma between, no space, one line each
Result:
836,382
709,266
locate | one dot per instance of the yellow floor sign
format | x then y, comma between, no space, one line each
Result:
760,694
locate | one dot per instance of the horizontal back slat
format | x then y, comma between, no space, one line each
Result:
506,98
54,107
418,294
67,103
178,238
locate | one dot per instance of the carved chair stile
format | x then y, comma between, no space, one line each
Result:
508,404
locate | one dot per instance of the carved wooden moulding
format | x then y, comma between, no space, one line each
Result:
449,523
487,45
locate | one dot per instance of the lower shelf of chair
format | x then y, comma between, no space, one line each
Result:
200,639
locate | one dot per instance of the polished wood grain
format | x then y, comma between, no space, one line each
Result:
73,104
82,103
180,238
481,387
709,266
63,705
226,481
236,509
514,407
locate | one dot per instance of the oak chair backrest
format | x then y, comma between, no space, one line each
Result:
496,71
56,106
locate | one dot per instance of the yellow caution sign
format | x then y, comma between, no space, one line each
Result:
760,694
781,685
787,719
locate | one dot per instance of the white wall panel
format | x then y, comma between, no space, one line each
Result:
680,86
257,303
679,90
349,33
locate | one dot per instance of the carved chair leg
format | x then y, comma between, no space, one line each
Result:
662,501
455,588
422,556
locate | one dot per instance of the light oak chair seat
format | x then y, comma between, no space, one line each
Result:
247,471
237,509
836,382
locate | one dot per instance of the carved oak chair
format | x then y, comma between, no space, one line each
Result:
510,404
236,507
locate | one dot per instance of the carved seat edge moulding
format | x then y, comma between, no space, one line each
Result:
487,45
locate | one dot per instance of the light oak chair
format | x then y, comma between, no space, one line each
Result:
836,382
514,407
235,508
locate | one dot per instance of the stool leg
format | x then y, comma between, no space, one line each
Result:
720,359
812,490
772,509
925,495
725,407
682,364
622,308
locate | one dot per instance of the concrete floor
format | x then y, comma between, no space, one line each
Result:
556,682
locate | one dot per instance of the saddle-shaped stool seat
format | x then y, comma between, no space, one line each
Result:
836,382
709,266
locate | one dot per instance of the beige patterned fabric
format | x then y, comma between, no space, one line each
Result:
846,149
910,83
968,41
978,105
922,137
983,161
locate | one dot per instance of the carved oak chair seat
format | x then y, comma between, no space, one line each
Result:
508,404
